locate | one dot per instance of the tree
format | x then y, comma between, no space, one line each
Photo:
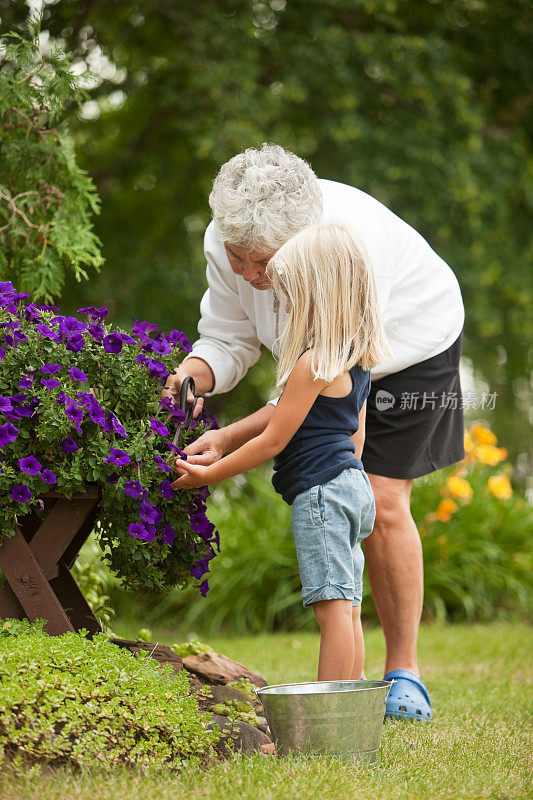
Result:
46,200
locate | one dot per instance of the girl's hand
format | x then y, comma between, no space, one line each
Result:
195,475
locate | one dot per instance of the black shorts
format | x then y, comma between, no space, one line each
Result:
414,418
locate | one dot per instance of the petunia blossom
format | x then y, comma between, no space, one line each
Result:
112,343
118,457
166,490
51,369
21,493
69,445
159,427
50,383
150,513
8,433
144,532
162,464
133,489
5,404
168,534
48,476
77,374
204,588
30,465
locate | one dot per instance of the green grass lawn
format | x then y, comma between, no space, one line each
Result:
478,745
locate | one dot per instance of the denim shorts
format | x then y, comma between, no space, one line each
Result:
328,523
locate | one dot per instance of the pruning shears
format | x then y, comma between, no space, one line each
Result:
187,407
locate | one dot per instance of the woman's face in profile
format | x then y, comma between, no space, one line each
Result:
249,265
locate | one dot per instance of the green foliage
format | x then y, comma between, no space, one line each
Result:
46,200
238,711
114,409
66,699
243,685
94,579
192,648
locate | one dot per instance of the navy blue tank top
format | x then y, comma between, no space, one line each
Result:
321,448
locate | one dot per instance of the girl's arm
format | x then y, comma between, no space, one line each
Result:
299,395
359,436
212,445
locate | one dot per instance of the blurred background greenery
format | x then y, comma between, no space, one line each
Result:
422,104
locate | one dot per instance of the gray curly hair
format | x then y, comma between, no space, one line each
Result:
263,196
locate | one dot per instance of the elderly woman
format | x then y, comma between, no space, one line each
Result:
414,421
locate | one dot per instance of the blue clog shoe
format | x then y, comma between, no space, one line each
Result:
408,697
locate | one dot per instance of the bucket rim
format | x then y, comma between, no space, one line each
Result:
378,684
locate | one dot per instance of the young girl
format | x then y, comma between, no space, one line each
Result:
332,339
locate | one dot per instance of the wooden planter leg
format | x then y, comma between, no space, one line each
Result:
72,600
30,585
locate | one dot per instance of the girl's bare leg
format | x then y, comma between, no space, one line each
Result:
359,642
337,646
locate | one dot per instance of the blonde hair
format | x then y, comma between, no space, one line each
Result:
327,276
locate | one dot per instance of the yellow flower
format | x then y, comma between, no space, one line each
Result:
469,444
482,434
488,454
445,509
500,486
459,488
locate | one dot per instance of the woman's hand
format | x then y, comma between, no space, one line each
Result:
207,449
194,476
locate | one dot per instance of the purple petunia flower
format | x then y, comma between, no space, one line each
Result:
150,513
94,314
48,476
74,343
177,414
159,347
51,369
30,465
21,493
168,534
140,531
158,427
74,414
162,464
204,588
26,383
69,445
77,374
112,343
113,478
166,490
201,525
5,404
178,339
47,332
118,457
8,433
140,328
2,354
69,326
96,331
50,383
133,489
126,338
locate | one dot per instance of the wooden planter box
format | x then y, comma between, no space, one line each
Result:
37,560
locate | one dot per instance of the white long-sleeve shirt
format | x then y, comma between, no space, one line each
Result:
419,296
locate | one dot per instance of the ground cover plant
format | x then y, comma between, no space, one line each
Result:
68,699
80,403
478,747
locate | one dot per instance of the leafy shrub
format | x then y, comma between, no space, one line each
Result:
80,403
69,699
46,200
476,533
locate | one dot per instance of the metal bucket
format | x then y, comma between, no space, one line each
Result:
341,718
